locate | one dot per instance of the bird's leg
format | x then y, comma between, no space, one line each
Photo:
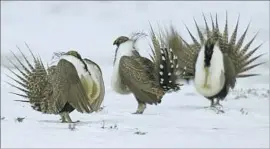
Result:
219,106
141,108
187,81
212,103
217,103
216,106
63,119
67,117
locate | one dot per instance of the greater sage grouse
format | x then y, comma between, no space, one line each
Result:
147,79
73,83
215,62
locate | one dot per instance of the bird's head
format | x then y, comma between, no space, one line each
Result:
127,45
120,40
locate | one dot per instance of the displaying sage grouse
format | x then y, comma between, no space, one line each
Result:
216,62
73,83
147,79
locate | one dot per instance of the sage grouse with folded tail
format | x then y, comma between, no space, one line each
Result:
216,62
73,83
147,80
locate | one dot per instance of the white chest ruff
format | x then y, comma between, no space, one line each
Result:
215,79
125,49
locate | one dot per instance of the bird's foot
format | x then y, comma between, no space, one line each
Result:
70,122
64,121
218,109
138,112
75,122
66,118
219,106
78,121
140,109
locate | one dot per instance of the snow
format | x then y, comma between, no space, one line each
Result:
179,121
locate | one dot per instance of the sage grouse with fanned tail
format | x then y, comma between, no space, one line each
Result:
147,80
73,83
216,62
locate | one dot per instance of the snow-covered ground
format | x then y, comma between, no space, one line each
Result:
91,27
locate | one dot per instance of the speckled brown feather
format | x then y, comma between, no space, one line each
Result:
34,80
137,73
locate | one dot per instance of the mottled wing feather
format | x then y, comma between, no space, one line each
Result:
138,76
148,67
68,88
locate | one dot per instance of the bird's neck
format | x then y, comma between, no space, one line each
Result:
207,60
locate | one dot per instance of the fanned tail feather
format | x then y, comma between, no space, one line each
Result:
246,75
31,80
165,60
238,52
167,70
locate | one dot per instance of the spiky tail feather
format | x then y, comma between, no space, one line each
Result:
165,58
31,81
167,70
237,51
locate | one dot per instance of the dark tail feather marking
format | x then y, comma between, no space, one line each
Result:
167,75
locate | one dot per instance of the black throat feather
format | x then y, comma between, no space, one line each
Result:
115,54
208,52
